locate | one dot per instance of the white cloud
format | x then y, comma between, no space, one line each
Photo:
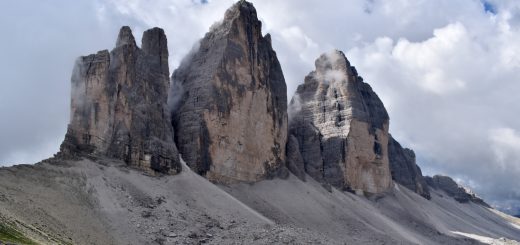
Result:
429,60
300,43
184,21
505,143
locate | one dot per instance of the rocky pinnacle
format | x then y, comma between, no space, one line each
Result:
342,127
231,120
118,106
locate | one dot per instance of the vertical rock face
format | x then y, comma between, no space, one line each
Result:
294,159
342,127
231,119
118,106
404,169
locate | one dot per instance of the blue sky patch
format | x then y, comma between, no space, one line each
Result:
488,7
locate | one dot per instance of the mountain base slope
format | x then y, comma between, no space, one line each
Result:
103,201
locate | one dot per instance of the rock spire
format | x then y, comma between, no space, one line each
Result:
231,119
118,106
342,127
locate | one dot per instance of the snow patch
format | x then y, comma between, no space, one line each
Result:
483,239
515,225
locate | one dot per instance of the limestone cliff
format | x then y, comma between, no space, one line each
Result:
118,106
342,127
404,169
231,119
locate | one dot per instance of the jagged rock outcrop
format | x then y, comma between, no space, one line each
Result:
231,119
450,187
342,127
118,106
404,170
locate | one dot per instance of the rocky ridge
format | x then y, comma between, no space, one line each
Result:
450,187
231,118
118,106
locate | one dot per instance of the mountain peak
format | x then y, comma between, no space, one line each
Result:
333,110
241,16
234,68
241,8
333,60
125,37
154,42
118,106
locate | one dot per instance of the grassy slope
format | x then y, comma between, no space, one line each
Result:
10,235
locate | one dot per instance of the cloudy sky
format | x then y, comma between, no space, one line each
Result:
448,71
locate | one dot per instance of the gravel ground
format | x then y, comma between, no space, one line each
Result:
100,201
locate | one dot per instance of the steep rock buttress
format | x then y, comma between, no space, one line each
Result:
404,169
118,106
342,127
231,118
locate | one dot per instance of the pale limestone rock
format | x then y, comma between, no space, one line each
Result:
342,127
231,119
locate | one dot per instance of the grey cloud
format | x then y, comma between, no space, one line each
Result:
39,44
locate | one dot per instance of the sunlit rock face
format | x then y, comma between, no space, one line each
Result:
231,118
405,170
342,127
118,106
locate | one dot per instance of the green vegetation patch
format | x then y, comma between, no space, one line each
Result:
10,235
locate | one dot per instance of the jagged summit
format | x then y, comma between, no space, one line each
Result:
241,9
334,60
342,127
155,45
231,119
125,37
118,106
